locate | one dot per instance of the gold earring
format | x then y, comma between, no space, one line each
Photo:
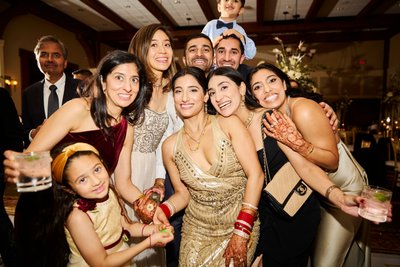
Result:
242,104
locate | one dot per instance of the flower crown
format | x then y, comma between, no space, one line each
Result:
291,62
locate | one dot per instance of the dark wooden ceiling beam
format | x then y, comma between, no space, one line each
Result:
387,23
384,21
336,37
109,14
313,11
260,11
159,12
369,8
376,5
206,8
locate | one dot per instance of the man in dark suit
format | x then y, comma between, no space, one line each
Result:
39,101
51,56
10,138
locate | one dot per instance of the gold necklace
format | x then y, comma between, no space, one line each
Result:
249,119
197,141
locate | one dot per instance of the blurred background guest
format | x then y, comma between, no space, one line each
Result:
10,138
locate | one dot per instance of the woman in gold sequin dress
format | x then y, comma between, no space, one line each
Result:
208,161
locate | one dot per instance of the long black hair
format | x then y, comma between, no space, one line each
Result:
94,91
237,78
196,72
292,92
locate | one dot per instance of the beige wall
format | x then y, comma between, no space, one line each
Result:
23,32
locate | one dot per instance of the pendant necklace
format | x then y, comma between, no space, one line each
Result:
197,141
249,119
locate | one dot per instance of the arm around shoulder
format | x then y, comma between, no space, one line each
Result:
306,112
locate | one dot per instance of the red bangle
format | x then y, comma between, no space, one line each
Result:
240,226
243,229
246,217
166,210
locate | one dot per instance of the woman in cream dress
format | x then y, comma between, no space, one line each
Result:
152,45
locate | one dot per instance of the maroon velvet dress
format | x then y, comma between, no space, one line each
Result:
109,148
35,210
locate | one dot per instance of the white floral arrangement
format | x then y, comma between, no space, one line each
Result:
291,62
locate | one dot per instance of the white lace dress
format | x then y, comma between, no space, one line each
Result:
147,138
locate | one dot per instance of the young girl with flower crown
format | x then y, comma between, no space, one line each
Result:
96,227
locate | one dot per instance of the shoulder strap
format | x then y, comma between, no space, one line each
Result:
267,175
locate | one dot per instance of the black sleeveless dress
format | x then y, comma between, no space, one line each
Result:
285,242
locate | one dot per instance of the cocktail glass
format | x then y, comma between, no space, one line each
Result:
35,171
376,205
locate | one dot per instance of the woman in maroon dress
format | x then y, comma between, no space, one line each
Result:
100,118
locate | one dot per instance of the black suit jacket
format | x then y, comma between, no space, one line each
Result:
11,128
33,113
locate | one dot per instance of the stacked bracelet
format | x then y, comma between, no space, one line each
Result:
249,206
329,190
168,208
159,182
243,224
139,198
240,233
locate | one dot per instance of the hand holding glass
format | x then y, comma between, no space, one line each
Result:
35,171
377,203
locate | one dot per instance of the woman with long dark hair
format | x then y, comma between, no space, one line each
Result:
111,103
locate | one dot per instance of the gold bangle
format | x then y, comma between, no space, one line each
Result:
329,190
160,182
140,197
249,205
310,151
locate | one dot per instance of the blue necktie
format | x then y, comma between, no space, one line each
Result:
221,24
53,101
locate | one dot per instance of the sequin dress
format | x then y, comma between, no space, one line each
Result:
106,220
216,198
147,137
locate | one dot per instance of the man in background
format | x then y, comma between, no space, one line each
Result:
41,99
198,52
229,52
